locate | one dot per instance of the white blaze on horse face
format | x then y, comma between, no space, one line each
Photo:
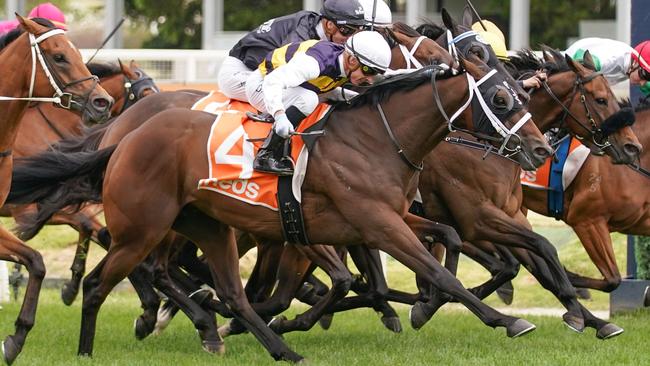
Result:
222,156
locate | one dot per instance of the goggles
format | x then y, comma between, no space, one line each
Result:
369,70
347,30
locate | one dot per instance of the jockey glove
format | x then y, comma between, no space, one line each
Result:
283,126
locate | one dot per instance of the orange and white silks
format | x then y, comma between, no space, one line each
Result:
540,178
231,155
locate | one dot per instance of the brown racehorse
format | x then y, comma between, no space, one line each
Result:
39,61
344,206
604,198
44,124
424,51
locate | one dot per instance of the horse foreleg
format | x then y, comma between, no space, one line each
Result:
596,240
12,249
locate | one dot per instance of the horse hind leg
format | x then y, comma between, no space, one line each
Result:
70,288
12,249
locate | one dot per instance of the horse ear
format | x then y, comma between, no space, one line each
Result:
588,61
29,25
468,17
448,21
133,65
572,64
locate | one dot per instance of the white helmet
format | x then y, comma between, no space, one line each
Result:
371,49
383,15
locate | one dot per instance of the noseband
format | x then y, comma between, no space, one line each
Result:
60,98
134,89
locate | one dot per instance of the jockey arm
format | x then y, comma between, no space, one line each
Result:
298,70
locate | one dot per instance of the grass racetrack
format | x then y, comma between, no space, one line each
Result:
355,338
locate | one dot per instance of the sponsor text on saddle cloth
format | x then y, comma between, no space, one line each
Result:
557,173
231,154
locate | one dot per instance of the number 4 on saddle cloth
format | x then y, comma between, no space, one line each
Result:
232,146
558,173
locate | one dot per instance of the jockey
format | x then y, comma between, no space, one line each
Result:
46,10
288,82
383,17
339,19
616,60
495,38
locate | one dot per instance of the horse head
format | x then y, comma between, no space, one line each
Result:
62,72
412,48
137,84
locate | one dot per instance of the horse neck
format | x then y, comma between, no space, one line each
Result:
546,111
17,60
114,86
642,132
414,120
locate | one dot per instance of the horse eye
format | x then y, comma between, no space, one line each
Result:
601,101
59,58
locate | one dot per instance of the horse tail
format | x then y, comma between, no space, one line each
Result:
56,180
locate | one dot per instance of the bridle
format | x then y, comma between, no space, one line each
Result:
594,131
61,99
134,89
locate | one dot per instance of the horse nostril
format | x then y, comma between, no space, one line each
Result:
101,103
631,150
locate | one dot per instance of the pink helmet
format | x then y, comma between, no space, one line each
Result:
641,55
50,12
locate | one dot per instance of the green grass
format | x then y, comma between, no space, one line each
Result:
356,338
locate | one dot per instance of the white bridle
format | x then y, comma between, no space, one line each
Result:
37,54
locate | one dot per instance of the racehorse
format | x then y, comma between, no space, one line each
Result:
604,198
55,69
409,49
44,124
326,190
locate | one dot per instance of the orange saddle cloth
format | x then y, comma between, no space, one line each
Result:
231,154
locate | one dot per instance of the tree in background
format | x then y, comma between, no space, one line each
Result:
177,24
642,253
551,21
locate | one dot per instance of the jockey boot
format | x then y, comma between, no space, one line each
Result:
270,160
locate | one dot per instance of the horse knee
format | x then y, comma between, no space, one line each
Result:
36,266
611,283
450,238
341,283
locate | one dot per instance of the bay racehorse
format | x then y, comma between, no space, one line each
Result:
602,199
195,213
39,61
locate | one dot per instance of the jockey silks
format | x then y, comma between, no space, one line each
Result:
324,52
275,33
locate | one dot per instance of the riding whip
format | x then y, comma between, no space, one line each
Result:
110,35
477,16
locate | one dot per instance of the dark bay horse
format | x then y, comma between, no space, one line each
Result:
602,199
39,61
490,213
384,229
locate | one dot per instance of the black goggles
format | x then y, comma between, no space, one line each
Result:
643,74
347,30
370,71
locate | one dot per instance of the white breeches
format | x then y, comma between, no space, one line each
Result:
303,99
232,78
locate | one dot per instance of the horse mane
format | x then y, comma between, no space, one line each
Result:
13,34
430,29
525,60
104,69
381,91
406,29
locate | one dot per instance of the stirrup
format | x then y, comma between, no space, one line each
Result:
260,117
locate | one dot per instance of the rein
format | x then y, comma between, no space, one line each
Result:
639,170
61,99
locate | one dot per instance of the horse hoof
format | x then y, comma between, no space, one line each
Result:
646,296
10,350
392,323
519,328
292,357
163,318
325,321
215,347
419,314
575,323
583,293
69,293
506,293
608,331
142,329
224,330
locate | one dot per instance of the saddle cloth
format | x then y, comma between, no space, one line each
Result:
554,175
231,154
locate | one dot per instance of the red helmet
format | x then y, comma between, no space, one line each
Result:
641,55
